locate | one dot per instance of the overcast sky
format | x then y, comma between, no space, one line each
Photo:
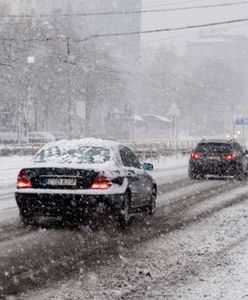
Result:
190,17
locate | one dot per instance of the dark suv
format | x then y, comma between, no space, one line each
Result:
218,157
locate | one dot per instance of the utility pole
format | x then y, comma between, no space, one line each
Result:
174,114
68,47
69,93
23,108
88,109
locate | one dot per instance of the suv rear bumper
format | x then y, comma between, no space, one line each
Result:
221,168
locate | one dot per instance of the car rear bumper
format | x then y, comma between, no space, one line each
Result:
220,168
64,204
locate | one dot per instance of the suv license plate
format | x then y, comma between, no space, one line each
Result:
214,157
62,181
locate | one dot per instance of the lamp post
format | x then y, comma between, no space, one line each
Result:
174,114
23,110
27,106
24,107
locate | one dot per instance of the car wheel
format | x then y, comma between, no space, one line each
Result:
240,175
152,204
192,174
124,214
28,219
200,176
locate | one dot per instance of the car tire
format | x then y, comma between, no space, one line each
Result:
200,176
241,175
192,174
28,219
124,215
152,204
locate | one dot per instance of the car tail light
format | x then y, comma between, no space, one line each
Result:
23,181
101,182
196,155
230,156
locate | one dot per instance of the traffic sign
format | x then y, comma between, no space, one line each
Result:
174,111
241,121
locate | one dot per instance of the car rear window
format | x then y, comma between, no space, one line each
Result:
213,148
86,155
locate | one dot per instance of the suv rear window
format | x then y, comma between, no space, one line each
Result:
213,148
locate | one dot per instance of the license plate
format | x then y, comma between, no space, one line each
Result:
62,181
214,157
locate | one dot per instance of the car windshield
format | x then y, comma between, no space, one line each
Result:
81,155
211,148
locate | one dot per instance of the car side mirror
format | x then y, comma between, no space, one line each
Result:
147,166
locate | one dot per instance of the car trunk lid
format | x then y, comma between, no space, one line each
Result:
61,178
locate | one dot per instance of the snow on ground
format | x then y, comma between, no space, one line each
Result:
165,169
169,168
205,253
206,260
169,162
9,168
228,279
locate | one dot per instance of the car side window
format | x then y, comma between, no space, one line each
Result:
128,158
125,157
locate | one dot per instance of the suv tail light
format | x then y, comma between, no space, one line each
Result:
23,181
196,155
101,182
229,156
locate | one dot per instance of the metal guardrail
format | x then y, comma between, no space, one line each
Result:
17,149
142,149
154,149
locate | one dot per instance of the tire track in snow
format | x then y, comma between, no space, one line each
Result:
181,190
183,186
190,260
64,249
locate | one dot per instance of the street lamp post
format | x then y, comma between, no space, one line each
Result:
22,115
174,114
30,61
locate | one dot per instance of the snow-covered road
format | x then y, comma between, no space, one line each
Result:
205,258
198,224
